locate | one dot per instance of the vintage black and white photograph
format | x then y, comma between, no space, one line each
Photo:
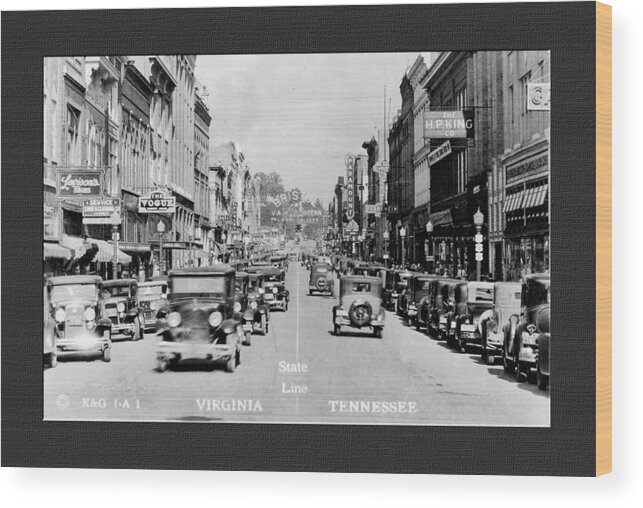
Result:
346,238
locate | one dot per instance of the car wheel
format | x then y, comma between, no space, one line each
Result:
378,332
237,357
231,364
107,354
417,325
286,306
52,360
460,344
247,340
337,330
162,365
541,380
507,364
137,330
521,375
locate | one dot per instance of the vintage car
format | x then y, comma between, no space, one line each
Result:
441,304
360,304
120,301
241,281
240,264
200,324
474,305
520,345
542,362
50,334
399,291
279,261
276,296
256,316
321,279
506,303
417,302
76,306
388,276
152,297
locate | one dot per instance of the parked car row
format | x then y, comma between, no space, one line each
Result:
504,321
199,313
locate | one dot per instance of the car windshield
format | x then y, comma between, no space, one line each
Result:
150,290
361,287
254,284
238,286
422,285
207,286
109,292
74,291
480,295
273,278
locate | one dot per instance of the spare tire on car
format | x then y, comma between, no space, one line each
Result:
321,283
360,313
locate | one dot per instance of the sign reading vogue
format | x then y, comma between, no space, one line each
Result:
79,184
448,124
156,202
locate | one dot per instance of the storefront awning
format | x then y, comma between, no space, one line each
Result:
77,244
105,253
57,251
513,201
133,247
530,198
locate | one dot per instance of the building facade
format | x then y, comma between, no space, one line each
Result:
525,166
469,83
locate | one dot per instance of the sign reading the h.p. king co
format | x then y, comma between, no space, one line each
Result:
157,202
80,184
350,186
449,124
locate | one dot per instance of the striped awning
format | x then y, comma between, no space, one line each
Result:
513,201
56,251
105,253
536,196
77,244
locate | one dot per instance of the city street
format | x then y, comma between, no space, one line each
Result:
300,372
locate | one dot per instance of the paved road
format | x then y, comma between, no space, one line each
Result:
300,372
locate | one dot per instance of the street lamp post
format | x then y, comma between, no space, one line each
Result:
160,229
402,235
386,255
429,251
115,222
478,221
223,240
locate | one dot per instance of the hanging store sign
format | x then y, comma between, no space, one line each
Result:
449,124
439,153
373,209
101,211
382,169
538,96
350,186
157,202
80,184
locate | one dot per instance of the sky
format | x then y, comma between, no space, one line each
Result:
299,115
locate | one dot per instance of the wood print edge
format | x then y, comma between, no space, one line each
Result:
603,239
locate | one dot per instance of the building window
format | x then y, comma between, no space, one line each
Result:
461,161
524,81
73,130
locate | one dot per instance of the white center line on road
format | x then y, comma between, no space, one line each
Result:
297,337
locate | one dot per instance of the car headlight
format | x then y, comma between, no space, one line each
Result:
90,325
120,307
275,291
253,305
153,305
90,314
467,321
237,307
261,291
174,319
60,315
215,319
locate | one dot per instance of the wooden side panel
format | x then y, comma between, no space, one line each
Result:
603,239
